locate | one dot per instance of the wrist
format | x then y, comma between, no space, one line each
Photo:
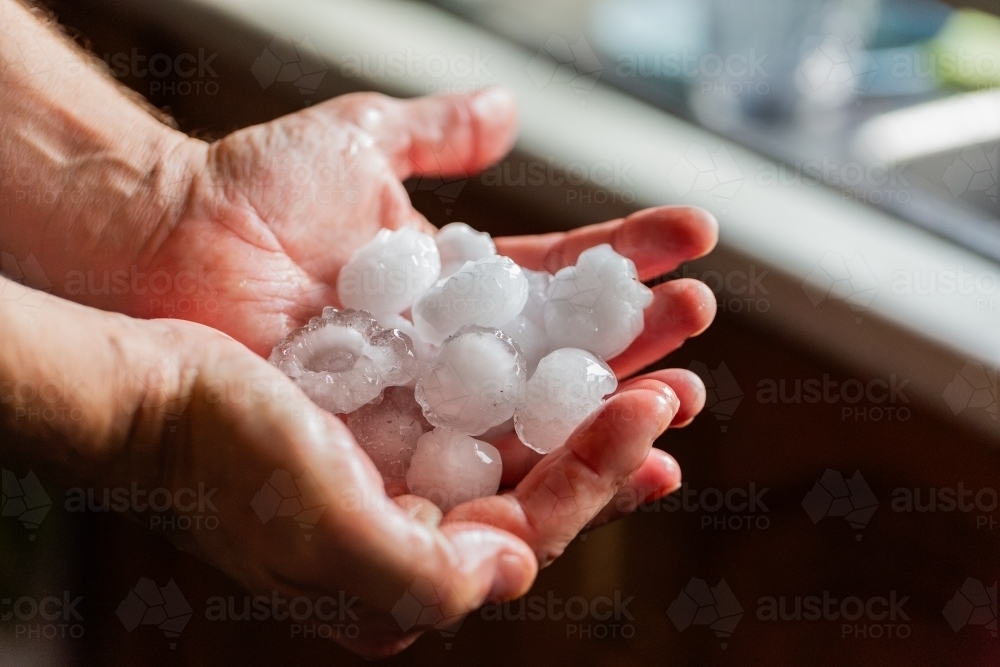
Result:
81,391
87,177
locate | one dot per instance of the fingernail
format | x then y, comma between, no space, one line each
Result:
670,470
673,405
513,577
494,106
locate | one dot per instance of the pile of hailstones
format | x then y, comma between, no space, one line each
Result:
445,345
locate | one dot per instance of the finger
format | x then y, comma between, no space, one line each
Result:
397,210
690,390
438,135
681,309
382,547
658,476
567,489
420,509
656,239
518,459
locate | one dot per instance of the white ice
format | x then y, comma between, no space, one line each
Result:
596,305
474,383
568,385
426,352
388,429
459,243
343,359
488,292
388,273
538,288
450,468
530,338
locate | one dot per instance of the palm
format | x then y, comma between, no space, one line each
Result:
272,218
278,209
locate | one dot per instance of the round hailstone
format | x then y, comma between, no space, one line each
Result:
567,387
388,273
530,338
538,288
488,292
458,243
343,359
388,429
426,352
450,468
474,383
596,305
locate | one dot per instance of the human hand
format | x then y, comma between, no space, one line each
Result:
176,405
256,219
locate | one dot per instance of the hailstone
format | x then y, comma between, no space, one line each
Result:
388,429
567,387
488,292
445,345
596,305
458,243
450,468
343,359
474,383
387,274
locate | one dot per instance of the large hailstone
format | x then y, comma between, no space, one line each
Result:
344,359
596,305
388,429
450,468
426,352
459,243
567,387
528,328
538,290
475,382
530,338
387,274
488,292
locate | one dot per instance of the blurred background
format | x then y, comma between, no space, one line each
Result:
847,458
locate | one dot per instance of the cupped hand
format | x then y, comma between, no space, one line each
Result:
241,424
177,405
272,214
